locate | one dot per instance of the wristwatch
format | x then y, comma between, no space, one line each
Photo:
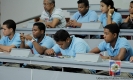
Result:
32,40
110,14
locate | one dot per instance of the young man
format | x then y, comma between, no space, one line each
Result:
116,47
40,43
10,39
52,17
68,45
83,15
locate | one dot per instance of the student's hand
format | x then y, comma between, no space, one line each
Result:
111,11
8,49
131,59
49,52
22,37
131,16
73,23
105,57
28,37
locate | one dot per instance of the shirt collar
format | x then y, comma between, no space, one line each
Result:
85,14
71,44
42,39
116,44
12,37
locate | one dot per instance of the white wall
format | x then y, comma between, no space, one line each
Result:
21,9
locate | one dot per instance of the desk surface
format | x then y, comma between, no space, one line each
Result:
126,67
76,31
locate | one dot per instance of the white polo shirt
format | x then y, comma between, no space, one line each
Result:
57,13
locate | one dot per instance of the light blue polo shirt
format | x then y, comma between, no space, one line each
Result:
14,41
88,17
121,43
77,45
116,17
47,42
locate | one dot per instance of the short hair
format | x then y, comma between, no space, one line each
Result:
40,26
52,1
131,2
113,28
10,24
109,2
61,35
86,2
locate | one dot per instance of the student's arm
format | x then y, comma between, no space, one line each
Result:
7,48
38,48
131,59
53,24
127,19
74,23
115,20
121,54
54,50
95,50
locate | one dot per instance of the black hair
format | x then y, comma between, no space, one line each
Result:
40,26
86,2
10,24
109,2
131,2
61,35
113,28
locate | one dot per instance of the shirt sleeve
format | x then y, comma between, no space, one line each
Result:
48,43
117,18
75,16
102,46
2,40
16,41
43,15
56,48
58,14
29,43
80,48
93,16
100,18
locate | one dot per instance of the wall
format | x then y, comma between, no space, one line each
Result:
21,9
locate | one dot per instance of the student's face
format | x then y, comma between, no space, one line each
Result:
104,7
131,8
82,8
47,5
63,44
6,31
36,32
108,36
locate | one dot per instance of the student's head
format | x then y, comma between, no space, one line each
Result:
131,7
9,27
38,29
106,5
111,32
83,6
49,4
62,38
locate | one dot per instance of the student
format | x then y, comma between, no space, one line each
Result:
10,39
116,47
130,17
41,41
52,17
83,15
68,45
109,14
